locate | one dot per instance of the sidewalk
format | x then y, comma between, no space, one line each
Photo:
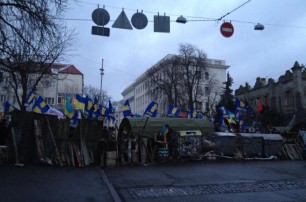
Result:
43,183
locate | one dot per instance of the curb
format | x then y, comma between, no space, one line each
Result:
110,187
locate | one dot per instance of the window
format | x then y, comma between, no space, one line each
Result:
288,98
218,62
50,84
50,100
2,98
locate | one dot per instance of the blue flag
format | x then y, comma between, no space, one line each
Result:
110,114
151,109
31,98
88,110
173,111
127,109
79,101
40,106
239,105
192,113
74,119
8,107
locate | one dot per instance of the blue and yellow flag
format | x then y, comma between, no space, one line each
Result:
173,111
225,113
68,109
192,113
88,110
74,119
79,101
40,106
110,114
239,105
127,109
8,107
151,109
31,98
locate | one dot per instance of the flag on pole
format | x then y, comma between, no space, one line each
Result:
110,114
68,110
8,107
31,98
88,107
173,111
127,109
79,101
151,109
40,106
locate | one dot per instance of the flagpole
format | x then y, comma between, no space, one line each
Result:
101,73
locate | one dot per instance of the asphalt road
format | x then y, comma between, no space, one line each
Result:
184,181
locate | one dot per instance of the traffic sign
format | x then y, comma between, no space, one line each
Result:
102,31
100,16
227,29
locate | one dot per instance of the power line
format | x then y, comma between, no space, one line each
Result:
199,20
233,10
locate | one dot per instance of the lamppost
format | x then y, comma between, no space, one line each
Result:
101,73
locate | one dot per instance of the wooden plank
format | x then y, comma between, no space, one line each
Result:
85,152
71,154
39,142
57,154
77,154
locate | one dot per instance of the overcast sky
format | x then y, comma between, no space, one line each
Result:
249,53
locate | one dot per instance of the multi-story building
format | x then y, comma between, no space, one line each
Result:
287,95
62,80
140,95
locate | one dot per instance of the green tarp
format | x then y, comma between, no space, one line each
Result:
150,126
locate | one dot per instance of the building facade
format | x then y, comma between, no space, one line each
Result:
61,80
287,95
139,93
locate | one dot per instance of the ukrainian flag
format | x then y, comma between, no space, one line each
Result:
68,110
80,101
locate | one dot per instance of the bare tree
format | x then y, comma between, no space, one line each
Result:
164,79
179,77
31,40
94,92
212,93
192,61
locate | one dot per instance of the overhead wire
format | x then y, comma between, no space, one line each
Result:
189,18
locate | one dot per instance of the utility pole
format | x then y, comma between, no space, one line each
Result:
101,73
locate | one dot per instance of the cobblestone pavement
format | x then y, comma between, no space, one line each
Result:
227,181
262,186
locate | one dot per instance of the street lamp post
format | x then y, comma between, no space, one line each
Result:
101,73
